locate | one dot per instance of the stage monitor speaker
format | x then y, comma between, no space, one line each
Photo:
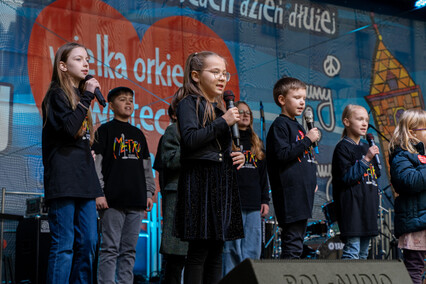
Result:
318,272
32,250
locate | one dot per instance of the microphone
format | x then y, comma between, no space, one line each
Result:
370,139
228,97
309,118
98,94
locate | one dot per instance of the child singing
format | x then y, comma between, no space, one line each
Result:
208,208
70,181
355,189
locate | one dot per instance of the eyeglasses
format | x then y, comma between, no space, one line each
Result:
418,129
217,74
247,112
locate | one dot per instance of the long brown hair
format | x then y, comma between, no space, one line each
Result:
256,144
410,119
62,80
196,62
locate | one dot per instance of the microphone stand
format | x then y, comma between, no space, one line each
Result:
262,123
378,132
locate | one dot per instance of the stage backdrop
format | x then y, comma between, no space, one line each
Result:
344,55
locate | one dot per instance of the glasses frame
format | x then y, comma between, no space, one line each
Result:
418,129
247,112
218,74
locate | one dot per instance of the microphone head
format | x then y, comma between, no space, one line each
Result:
309,116
370,137
228,96
88,77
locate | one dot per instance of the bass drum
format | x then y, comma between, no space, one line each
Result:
323,248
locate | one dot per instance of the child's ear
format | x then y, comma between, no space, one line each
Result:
195,76
281,100
411,133
346,122
62,66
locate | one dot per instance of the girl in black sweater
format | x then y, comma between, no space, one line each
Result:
254,194
208,208
70,181
355,189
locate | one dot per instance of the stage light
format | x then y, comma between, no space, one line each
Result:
420,4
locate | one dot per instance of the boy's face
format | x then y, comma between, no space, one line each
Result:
122,106
293,103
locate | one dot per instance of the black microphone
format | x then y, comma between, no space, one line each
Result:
370,139
309,118
228,97
98,94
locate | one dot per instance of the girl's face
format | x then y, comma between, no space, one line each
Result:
212,79
357,124
77,65
245,117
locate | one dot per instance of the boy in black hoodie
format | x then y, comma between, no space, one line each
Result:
291,166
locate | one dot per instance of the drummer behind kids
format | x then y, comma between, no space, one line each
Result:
291,166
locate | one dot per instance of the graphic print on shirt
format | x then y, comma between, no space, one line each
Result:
85,130
309,154
126,148
370,177
251,160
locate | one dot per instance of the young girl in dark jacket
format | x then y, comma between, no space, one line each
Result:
208,208
355,189
408,176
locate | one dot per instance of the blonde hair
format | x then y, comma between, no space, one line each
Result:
62,80
256,144
410,119
347,113
196,62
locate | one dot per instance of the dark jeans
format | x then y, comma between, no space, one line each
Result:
292,237
203,262
174,265
414,262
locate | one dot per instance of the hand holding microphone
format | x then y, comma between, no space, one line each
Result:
232,116
313,133
373,151
94,88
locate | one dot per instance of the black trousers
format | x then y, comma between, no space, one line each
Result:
292,237
204,262
174,265
414,262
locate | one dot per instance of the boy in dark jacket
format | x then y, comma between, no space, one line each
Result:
291,166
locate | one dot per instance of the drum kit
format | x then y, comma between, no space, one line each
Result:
322,240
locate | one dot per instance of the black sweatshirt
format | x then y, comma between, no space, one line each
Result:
69,169
252,177
292,170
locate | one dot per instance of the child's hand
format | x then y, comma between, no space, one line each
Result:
372,151
238,158
148,204
101,203
231,116
313,134
264,210
91,85
94,155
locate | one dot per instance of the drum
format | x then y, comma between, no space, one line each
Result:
323,248
316,229
271,243
329,210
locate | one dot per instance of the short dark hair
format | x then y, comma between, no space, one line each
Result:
284,85
118,91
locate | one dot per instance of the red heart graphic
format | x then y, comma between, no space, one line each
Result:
152,67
